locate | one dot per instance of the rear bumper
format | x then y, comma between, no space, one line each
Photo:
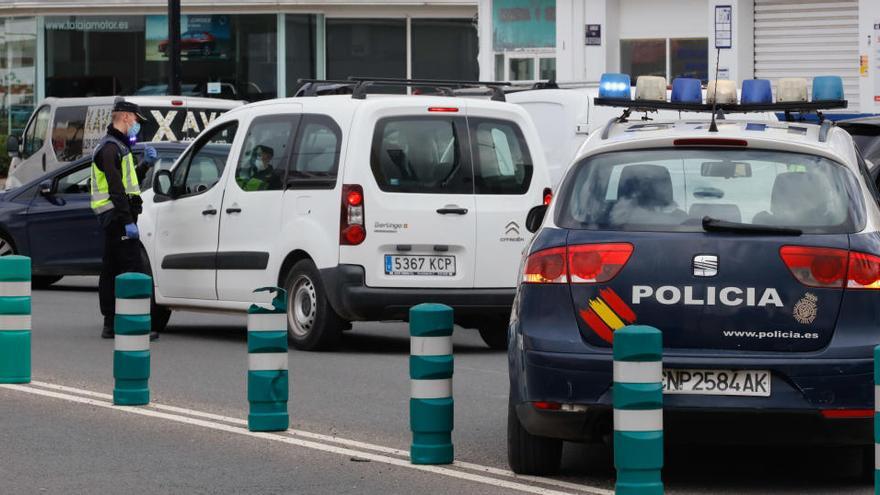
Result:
351,298
800,389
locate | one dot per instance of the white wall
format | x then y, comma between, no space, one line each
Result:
662,19
869,86
738,61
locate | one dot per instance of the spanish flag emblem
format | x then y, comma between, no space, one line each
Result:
607,313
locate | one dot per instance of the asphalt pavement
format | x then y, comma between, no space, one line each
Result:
349,420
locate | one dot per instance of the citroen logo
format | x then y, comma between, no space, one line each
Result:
705,265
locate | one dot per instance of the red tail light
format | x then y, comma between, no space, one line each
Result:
548,195
830,267
710,142
352,230
847,413
547,406
443,109
583,264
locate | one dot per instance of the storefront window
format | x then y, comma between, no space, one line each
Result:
522,69
547,69
499,67
689,58
128,55
300,49
18,47
643,58
366,47
444,49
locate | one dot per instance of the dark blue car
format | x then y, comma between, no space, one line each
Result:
50,220
755,250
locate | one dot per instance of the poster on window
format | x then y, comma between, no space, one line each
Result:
523,24
202,37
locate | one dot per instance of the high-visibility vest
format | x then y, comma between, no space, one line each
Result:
99,187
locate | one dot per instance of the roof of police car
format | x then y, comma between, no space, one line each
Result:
788,136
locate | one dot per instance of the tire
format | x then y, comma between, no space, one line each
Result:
530,454
494,334
44,281
312,324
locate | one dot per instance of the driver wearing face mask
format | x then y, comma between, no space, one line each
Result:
262,173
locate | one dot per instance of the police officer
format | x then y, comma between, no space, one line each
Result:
116,200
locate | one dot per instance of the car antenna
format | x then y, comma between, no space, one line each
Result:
714,127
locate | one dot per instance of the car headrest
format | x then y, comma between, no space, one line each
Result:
649,186
797,192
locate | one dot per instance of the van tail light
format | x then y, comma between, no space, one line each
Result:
830,267
847,413
548,195
581,264
597,263
352,228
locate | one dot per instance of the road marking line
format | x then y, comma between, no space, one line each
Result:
341,441
292,441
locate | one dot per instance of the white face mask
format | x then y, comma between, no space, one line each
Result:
261,165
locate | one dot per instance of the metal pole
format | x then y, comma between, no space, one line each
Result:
174,47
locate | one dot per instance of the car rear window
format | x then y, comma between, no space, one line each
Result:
421,155
673,189
502,163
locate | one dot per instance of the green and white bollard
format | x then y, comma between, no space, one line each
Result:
268,390
430,371
15,319
877,420
638,410
131,354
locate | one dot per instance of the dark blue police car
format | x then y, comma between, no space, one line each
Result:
754,249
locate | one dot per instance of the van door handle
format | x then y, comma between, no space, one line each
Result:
452,211
209,211
44,162
233,210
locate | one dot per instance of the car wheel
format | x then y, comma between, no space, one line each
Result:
312,324
494,333
6,246
44,281
530,454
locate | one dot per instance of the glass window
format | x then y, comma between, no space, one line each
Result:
266,150
316,154
444,49
499,67
18,47
68,131
421,155
75,182
204,162
502,164
35,134
672,190
128,55
547,69
689,58
643,58
522,69
366,47
167,157
300,48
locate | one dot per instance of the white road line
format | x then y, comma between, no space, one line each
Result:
342,441
292,441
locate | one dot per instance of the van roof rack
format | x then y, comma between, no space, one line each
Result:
316,87
445,86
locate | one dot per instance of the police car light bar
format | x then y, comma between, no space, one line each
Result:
756,95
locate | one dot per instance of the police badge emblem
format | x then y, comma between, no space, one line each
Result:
805,310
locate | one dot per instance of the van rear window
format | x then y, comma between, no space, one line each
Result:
672,190
421,155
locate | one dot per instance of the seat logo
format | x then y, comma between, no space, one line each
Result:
705,265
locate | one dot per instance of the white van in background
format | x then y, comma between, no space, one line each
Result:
62,130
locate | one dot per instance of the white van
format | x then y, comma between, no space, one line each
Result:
62,130
360,208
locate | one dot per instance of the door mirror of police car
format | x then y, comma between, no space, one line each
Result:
46,188
535,218
162,183
12,146
727,170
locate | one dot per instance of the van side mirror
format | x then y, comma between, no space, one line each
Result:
535,218
12,146
162,183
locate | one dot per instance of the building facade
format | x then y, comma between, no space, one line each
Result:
239,49
578,40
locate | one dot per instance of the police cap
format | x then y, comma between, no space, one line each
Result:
120,105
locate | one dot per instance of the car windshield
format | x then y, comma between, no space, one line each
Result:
672,190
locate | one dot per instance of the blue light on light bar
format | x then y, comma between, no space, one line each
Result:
686,90
614,86
756,92
827,88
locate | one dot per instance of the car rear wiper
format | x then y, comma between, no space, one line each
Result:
715,225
